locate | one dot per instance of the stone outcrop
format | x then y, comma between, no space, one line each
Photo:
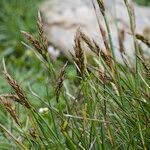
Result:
63,17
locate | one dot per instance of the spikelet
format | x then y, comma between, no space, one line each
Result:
21,96
107,58
59,82
8,106
102,30
101,6
33,41
93,46
79,57
121,37
40,43
42,37
104,78
143,39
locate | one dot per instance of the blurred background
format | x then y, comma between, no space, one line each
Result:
16,15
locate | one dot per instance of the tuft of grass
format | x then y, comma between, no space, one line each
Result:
101,106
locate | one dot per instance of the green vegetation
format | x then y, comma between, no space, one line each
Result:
64,105
143,2
15,16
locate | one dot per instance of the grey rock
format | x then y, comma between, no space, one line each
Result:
63,17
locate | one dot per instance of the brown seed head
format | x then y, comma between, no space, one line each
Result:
8,106
59,82
121,37
79,57
101,6
33,41
143,39
22,99
42,37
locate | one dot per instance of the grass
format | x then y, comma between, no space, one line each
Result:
15,16
65,105
143,2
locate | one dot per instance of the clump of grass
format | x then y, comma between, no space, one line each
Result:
105,107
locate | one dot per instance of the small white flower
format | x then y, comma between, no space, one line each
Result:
53,52
43,110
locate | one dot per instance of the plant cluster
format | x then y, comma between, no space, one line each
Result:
105,106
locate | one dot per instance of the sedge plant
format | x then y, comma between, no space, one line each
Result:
106,105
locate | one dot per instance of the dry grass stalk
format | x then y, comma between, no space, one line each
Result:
59,82
79,57
143,39
8,106
22,99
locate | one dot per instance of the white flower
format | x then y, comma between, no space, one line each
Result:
43,110
53,52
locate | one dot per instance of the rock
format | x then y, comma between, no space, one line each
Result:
63,18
